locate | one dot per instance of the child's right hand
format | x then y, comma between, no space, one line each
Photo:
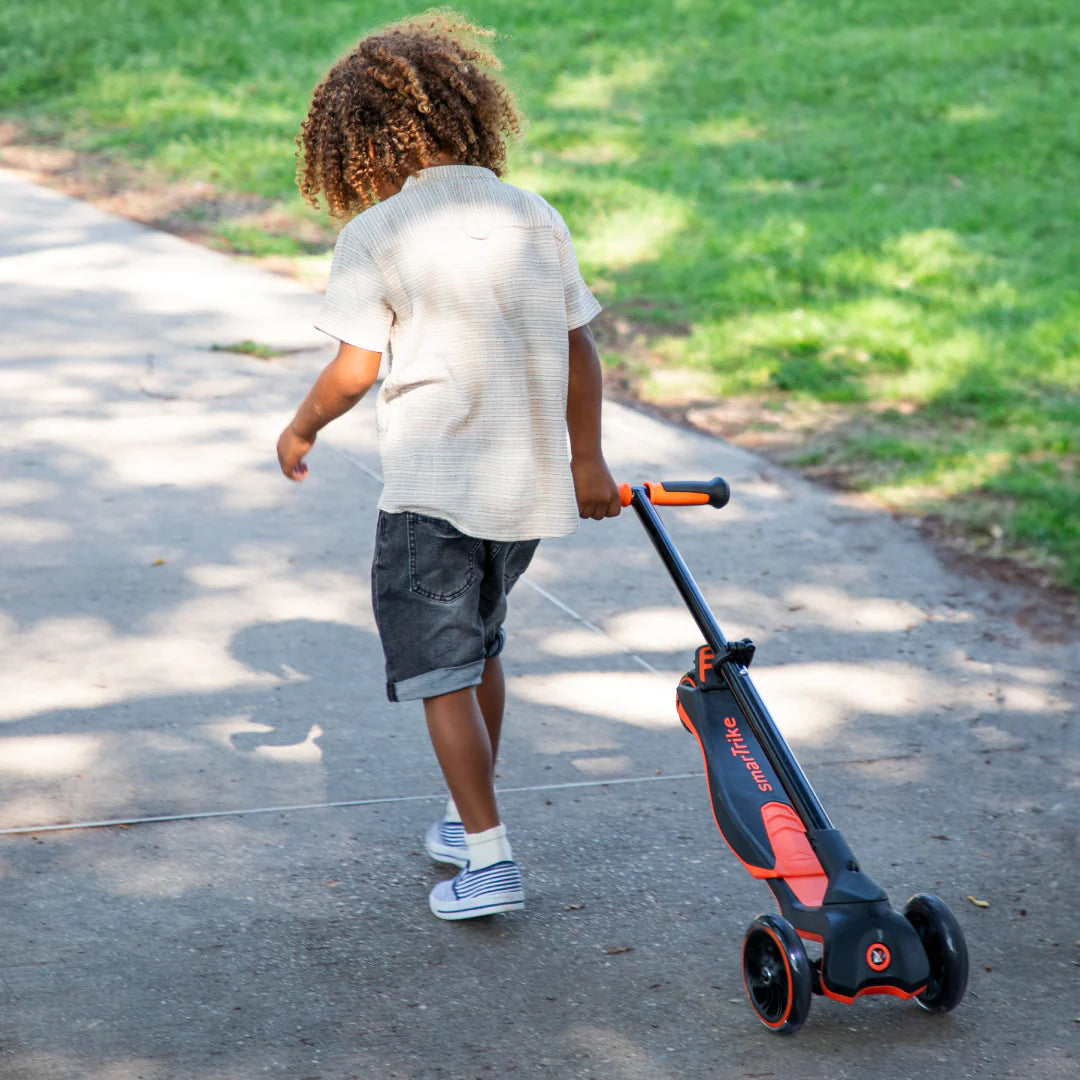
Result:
291,449
597,493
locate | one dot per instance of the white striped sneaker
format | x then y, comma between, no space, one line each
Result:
473,893
445,843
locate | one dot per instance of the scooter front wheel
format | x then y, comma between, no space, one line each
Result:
946,950
776,974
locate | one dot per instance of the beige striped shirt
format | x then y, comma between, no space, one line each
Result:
468,286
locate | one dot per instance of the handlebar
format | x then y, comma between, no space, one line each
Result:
714,492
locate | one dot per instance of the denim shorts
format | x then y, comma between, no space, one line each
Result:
440,599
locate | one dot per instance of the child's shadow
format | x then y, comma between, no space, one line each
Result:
315,664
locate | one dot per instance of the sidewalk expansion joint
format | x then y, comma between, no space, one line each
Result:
247,812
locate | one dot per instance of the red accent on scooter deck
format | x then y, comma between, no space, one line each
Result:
796,862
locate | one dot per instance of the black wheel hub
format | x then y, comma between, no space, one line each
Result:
765,977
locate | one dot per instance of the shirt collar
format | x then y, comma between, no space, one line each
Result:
449,172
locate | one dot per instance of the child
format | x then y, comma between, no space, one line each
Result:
471,289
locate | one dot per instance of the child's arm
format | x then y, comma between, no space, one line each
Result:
340,385
597,494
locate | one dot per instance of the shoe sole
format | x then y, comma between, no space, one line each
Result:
475,908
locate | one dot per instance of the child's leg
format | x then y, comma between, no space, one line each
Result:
491,697
463,746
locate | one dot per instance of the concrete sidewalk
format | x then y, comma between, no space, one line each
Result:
184,633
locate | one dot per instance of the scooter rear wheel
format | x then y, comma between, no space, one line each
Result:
946,950
776,974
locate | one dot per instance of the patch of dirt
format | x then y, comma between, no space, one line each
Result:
1050,612
629,338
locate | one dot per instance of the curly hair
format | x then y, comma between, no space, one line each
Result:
412,91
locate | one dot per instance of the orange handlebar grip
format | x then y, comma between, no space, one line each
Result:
660,496
714,492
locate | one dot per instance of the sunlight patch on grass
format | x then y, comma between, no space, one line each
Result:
936,361
969,114
599,89
779,236
760,185
607,150
932,255
724,131
926,260
616,224
961,472
621,238
836,353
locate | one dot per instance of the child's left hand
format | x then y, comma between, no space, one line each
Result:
291,449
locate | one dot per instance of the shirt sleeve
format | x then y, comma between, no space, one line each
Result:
355,308
581,306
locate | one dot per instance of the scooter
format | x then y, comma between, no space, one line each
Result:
770,817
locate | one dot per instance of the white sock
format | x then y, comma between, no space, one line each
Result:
488,847
451,811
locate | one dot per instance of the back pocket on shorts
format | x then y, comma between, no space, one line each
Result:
518,557
442,560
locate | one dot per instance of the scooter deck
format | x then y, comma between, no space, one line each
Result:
751,811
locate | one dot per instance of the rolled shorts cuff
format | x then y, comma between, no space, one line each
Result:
496,645
434,683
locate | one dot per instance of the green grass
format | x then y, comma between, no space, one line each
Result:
250,348
865,203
